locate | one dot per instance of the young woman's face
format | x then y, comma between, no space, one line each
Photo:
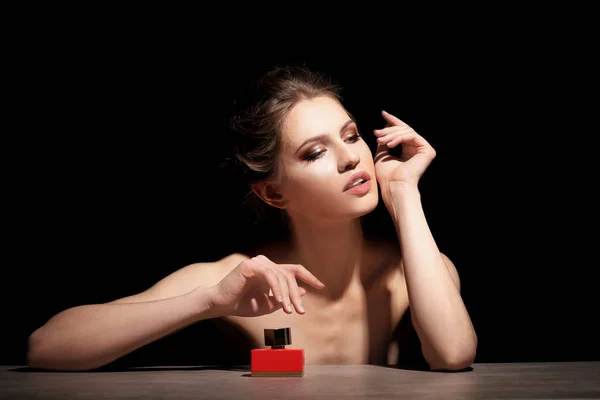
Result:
321,150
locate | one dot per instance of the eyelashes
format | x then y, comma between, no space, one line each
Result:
317,154
314,156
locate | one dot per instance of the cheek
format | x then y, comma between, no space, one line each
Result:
365,153
315,182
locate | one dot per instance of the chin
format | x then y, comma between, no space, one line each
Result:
371,207
367,205
337,209
338,212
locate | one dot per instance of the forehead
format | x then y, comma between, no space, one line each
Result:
311,117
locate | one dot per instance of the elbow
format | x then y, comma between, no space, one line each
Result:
456,363
39,352
42,354
459,359
35,346
45,353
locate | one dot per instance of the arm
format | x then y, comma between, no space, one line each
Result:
440,318
438,313
90,336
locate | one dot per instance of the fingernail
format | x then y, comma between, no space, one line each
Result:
301,308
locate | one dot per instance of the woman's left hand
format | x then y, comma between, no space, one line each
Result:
416,154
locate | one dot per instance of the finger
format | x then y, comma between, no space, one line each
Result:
396,141
273,281
266,267
393,140
306,276
295,293
392,136
416,139
385,139
285,292
262,260
264,303
392,119
392,129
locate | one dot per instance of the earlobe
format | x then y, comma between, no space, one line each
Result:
269,193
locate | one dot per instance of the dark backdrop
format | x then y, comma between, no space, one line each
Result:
110,180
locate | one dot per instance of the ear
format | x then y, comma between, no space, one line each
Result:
269,193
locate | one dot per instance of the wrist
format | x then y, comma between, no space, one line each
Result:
402,189
202,304
399,195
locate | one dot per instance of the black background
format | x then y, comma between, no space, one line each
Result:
110,180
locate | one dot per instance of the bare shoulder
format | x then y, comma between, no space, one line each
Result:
188,278
387,250
384,261
276,251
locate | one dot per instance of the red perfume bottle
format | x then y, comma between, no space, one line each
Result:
277,361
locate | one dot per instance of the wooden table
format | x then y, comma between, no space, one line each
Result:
570,380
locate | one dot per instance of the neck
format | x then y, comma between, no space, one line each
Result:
332,251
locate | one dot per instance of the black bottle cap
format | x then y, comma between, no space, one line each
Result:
278,338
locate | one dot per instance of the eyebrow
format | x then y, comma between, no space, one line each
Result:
324,136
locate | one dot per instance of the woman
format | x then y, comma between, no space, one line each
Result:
343,295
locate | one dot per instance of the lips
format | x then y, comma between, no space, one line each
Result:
354,177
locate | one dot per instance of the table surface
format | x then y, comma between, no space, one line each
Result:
558,380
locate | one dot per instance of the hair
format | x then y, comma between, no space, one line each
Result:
256,128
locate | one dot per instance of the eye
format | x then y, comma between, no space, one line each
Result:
314,155
354,138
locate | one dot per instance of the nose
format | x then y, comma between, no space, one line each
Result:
349,160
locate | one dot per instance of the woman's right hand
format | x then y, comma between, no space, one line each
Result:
258,286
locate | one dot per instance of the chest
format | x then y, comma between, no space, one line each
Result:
354,329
